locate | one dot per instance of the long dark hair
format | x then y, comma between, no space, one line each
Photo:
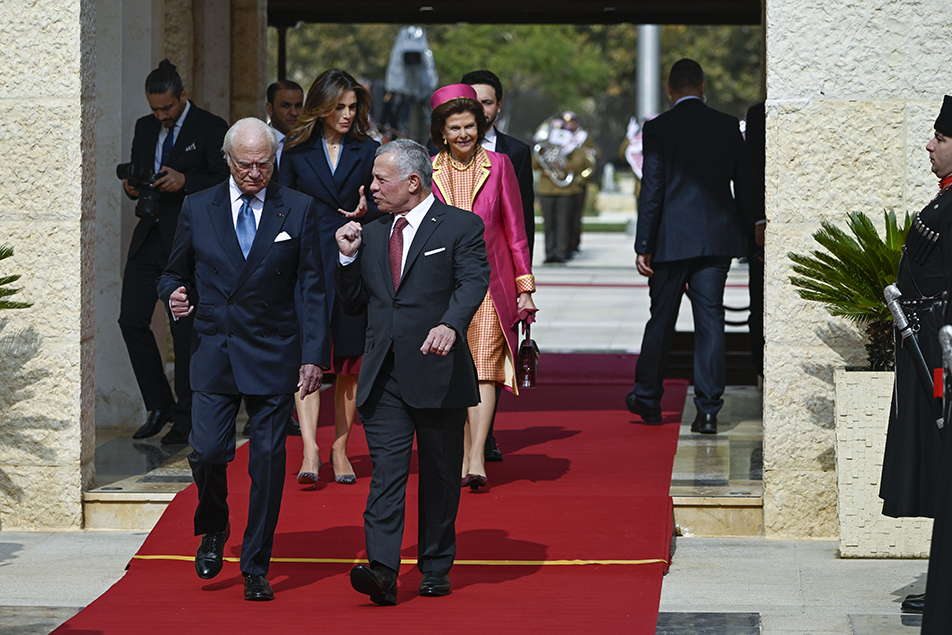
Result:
322,99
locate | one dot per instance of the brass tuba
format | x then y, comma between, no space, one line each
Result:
547,150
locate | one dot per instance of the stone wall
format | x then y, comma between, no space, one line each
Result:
47,203
852,91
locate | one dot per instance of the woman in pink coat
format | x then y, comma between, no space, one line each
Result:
467,176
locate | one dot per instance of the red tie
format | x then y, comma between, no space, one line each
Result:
396,251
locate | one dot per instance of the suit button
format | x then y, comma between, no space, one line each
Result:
263,334
231,302
214,269
264,304
277,272
230,334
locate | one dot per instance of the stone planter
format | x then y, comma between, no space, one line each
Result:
862,415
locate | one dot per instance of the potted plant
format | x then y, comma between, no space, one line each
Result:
5,291
848,278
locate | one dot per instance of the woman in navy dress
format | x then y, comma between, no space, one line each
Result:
329,156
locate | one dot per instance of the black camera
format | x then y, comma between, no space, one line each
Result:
142,178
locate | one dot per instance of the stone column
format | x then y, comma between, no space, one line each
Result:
852,91
47,204
249,57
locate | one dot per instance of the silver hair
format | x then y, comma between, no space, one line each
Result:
410,158
249,129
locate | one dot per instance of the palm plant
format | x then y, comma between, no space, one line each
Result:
5,291
849,277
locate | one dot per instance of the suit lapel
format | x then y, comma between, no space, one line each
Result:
383,254
431,221
349,151
318,162
501,145
273,215
224,227
186,133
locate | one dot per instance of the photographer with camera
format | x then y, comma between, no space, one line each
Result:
175,151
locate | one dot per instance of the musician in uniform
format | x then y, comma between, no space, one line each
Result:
566,158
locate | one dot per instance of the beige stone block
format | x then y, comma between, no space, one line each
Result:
862,415
864,50
103,510
42,179
41,48
831,146
718,516
40,497
799,503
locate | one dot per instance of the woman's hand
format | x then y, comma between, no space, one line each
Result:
361,207
525,303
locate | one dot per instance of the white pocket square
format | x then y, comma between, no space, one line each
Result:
434,251
282,237
190,147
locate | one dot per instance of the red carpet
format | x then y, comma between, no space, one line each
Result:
571,536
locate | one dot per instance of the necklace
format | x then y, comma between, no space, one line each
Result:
459,165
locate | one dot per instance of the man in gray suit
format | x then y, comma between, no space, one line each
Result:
690,225
421,272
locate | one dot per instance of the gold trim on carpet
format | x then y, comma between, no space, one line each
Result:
504,563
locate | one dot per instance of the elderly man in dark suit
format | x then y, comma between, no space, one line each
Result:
181,143
421,272
690,226
247,252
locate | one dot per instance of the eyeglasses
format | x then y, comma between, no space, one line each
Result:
245,166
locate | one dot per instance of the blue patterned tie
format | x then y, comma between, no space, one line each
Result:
246,225
167,145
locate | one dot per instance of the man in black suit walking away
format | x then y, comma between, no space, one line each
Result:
247,253
690,226
181,143
421,272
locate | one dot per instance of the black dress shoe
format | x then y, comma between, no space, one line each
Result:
648,414
257,588
492,453
435,584
913,603
379,583
178,435
153,423
211,550
704,424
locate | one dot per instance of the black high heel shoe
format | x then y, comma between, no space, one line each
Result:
310,478
343,479
475,481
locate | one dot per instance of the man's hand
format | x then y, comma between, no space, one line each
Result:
173,180
361,207
178,303
131,189
440,340
309,381
643,262
348,238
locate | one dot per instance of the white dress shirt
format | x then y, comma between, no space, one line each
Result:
164,132
489,141
281,137
257,203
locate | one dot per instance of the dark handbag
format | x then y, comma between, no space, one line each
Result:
527,365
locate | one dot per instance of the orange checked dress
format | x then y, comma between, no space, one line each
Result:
487,342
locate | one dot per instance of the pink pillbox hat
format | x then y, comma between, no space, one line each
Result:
443,95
